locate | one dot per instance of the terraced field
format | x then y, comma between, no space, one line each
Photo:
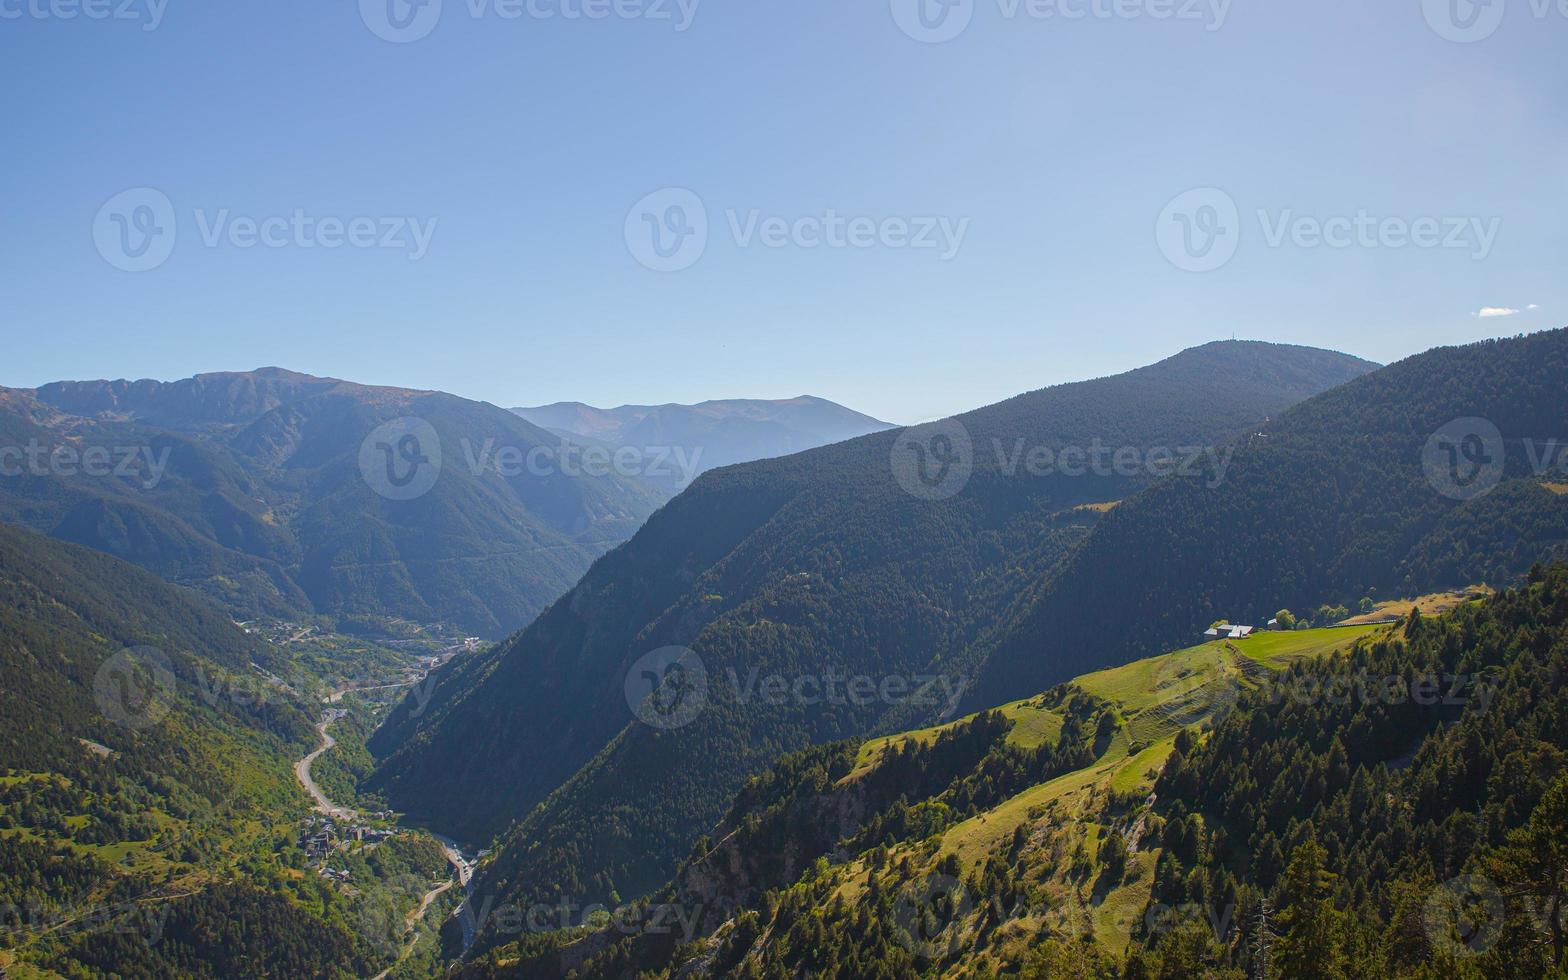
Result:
1069,818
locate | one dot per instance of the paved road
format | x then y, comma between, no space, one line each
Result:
302,771
465,877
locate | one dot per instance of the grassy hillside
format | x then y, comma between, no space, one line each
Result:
817,866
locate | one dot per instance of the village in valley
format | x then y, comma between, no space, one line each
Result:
322,836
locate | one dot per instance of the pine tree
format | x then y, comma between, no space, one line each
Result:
1311,938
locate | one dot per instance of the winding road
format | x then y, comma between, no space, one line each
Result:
454,855
302,770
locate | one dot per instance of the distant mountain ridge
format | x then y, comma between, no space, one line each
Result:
713,433
252,487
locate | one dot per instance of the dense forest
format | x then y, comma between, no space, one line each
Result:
1328,503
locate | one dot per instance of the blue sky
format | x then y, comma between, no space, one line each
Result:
522,148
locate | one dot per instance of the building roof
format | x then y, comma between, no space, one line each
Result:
1229,631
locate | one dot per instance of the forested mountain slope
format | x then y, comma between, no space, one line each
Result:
1330,502
816,564
1372,801
262,490
142,760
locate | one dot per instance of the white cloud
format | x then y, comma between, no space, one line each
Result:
1487,312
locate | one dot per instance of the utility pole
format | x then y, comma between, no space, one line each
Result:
1262,943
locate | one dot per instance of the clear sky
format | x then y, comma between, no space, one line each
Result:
1041,149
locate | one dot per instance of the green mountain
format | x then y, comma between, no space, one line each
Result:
1331,502
143,764
1371,801
834,563
270,492
685,441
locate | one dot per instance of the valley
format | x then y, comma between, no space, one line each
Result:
808,721
907,490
